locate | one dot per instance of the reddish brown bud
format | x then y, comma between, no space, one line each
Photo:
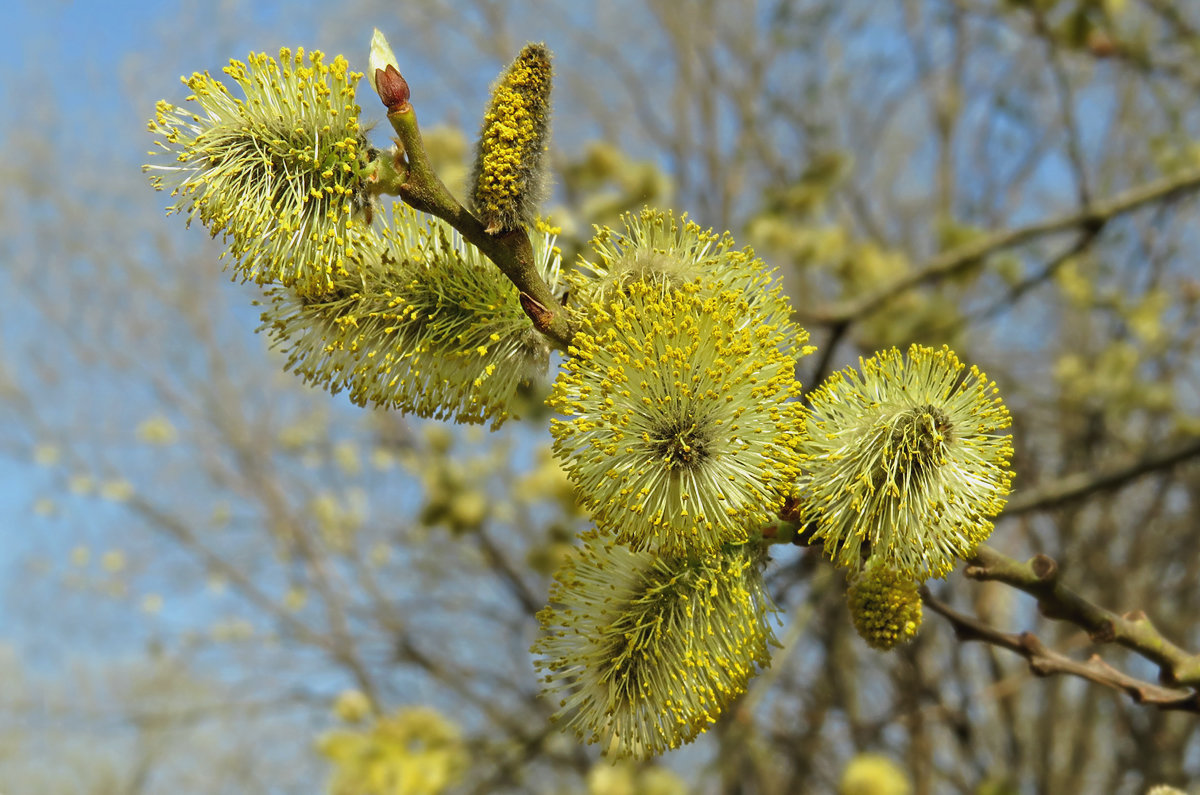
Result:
541,316
790,512
393,88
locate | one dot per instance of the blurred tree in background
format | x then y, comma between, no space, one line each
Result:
230,578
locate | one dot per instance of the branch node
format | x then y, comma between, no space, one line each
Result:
1030,643
1105,632
1044,567
542,317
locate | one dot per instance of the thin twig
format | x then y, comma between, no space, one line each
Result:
1044,661
1083,484
969,254
1039,577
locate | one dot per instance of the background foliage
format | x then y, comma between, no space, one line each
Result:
203,554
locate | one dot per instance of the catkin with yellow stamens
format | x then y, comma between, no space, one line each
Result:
426,324
509,177
669,251
279,173
643,651
904,461
680,427
884,606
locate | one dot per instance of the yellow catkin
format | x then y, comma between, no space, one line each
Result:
885,607
275,172
642,652
426,325
904,461
509,176
680,426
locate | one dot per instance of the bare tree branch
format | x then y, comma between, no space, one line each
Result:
1039,577
1044,661
962,257
1083,484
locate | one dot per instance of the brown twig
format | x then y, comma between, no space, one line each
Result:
969,254
1082,484
1044,661
1039,577
411,176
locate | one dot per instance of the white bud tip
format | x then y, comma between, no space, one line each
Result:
381,55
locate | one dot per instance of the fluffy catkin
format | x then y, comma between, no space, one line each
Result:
509,177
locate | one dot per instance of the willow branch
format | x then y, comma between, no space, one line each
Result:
1040,578
411,176
962,257
1044,661
1083,484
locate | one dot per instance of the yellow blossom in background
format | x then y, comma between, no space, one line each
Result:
113,561
352,706
116,490
412,751
80,556
874,774
221,514
232,630
622,777
152,603
380,554
382,459
46,454
295,598
157,430
347,458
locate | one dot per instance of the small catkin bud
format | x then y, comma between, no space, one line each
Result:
885,607
509,176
